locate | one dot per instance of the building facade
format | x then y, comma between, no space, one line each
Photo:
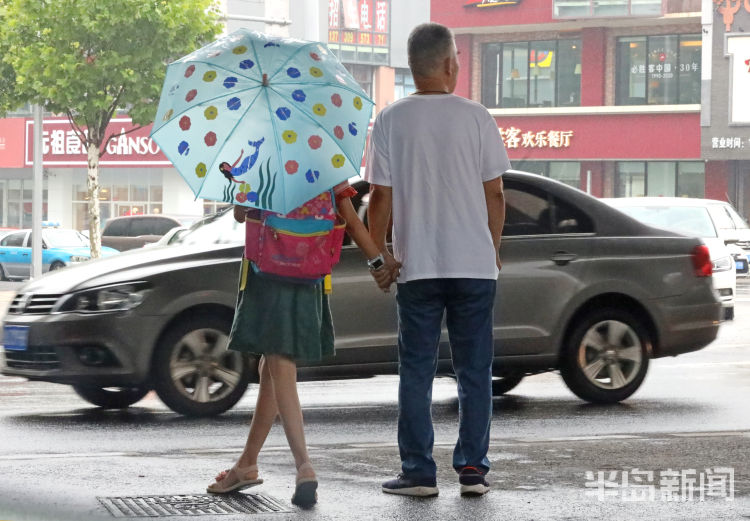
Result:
604,96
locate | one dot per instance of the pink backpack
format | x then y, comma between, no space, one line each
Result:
301,246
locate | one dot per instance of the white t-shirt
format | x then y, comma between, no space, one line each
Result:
435,151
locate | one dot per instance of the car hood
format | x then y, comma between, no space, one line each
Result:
137,264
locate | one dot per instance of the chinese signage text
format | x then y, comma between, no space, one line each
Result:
516,138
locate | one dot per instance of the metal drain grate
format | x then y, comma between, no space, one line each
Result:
195,505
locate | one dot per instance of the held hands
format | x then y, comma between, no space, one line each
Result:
387,275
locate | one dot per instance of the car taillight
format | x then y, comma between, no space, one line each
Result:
702,261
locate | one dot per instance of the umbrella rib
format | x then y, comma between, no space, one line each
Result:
275,131
229,135
316,124
257,59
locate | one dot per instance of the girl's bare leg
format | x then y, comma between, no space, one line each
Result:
263,419
283,373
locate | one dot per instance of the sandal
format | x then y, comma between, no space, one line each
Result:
231,480
305,493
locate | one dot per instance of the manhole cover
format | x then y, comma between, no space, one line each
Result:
195,505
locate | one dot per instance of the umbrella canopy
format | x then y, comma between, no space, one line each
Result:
284,114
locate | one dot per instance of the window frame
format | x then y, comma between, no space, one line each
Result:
493,61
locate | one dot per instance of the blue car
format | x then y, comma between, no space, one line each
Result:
60,247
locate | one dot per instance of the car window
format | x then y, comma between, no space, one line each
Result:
566,218
162,225
218,228
687,220
739,222
526,212
59,238
14,240
117,228
142,226
721,218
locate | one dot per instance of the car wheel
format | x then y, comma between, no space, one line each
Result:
606,356
193,372
503,384
111,397
56,265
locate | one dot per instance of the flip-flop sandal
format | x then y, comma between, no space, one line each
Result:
305,493
229,480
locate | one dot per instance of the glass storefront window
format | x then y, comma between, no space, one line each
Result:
631,179
531,74
691,179
660,179
568,172
122,192
594,8
658,70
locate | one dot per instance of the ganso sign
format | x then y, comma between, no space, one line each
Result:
132,146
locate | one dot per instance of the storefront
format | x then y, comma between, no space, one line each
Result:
607,100
134,176
725,119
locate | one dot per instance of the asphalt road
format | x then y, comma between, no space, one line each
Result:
58,455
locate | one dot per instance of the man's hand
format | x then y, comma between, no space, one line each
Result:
388,274
498,261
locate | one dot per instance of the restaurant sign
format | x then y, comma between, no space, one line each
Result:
62,147
516,138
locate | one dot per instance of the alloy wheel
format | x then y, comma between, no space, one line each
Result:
610,354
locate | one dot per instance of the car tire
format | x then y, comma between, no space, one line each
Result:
503,384
57,265
193,372
606,356
111,397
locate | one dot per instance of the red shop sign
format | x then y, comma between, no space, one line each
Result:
62,147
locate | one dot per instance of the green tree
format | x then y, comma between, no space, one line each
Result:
89,59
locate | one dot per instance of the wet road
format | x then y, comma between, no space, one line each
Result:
57,454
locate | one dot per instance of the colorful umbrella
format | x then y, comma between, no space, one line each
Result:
284,113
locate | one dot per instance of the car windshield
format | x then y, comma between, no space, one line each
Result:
218,228
64,239
686,220
739,222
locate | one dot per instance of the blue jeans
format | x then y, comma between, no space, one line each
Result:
468,305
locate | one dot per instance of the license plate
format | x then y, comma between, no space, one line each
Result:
15,338
741,266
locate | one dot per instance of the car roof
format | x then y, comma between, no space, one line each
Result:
661,201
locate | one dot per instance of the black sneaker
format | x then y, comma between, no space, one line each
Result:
421,487
472,482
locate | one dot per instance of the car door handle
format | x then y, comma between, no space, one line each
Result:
25,254
561,258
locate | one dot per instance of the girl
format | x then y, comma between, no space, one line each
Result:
286,322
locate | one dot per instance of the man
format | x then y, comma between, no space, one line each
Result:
435,163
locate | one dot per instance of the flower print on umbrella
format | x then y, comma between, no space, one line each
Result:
230,82
293,72
336,100
211,112
353,128
185,123
319,109
315,142
283,113
209,76
338,161
200,170
315,72
357,103
247,64
289,136
241,49
338,132
312,175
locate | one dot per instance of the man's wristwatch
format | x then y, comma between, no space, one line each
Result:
376,263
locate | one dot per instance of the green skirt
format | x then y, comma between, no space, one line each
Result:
283,318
